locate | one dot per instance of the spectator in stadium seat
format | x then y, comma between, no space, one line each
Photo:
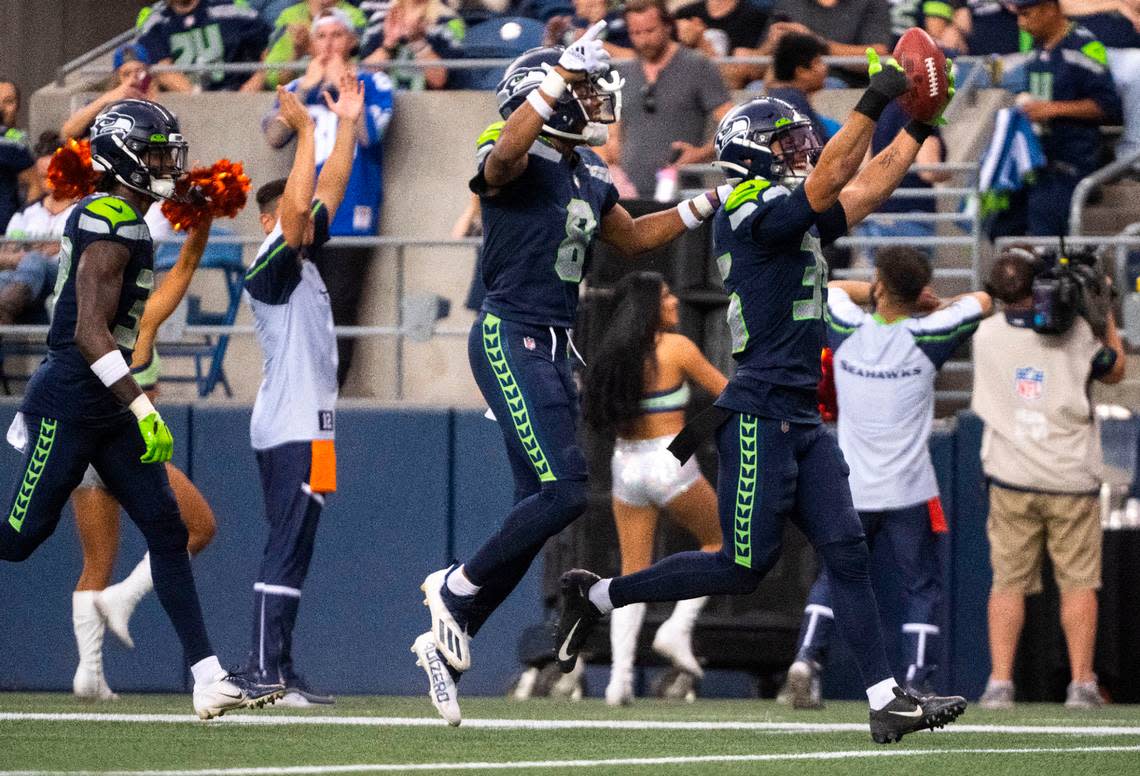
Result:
719,28
290,38
934,16
28,268
15,154
343,268
564,29
420,30
672,94
131,81
198,32
1116,24
1071,94
798,71
1041,457
990,27
848,26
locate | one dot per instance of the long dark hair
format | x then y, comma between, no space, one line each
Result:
615,379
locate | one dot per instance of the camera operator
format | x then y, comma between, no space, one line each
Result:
1041,454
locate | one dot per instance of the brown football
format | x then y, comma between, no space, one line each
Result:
925,68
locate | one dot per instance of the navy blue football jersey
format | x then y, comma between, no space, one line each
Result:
538,231
768,240
64,387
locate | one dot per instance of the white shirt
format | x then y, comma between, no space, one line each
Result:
36,222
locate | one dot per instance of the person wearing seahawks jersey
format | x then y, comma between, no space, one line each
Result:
546,197
777,460
885,366
83,407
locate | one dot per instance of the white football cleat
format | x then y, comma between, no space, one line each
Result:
441,687
89,684
233,691
451,640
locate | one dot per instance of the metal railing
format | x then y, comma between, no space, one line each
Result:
1106,174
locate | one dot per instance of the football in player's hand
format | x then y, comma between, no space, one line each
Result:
925,67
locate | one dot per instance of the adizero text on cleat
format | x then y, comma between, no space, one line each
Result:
441,686
576,618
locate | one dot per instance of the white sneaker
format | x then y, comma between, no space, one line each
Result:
294,700
233,691
451,640
1083,695
804,687
619,692
441,687
676,645
89,684
117,606
998,695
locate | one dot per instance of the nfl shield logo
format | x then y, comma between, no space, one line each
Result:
528,343
1029,383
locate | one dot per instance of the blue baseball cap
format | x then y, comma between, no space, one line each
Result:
130,52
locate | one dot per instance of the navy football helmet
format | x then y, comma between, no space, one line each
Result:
746,136
140,143
581,113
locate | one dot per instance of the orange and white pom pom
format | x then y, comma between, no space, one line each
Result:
218,190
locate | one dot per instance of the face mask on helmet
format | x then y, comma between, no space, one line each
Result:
795,151
595,102
787,154
165,161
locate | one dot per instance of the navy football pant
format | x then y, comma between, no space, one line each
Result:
292,511
911,534
770,471
58,453
524,373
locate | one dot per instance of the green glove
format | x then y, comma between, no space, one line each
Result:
939,120
887,82
158,440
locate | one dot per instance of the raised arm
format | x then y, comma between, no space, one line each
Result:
348,108
843,154
882,175
297,199
508,158
166,298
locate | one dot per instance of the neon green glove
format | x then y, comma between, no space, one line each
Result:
939,120
159,442
887,82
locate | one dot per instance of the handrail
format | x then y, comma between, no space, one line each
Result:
299,65
1085,186
67,68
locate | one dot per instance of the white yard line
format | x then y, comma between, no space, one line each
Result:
273,720
316,770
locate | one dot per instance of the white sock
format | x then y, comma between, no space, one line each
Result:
458,583
600,596
89,628
881,694
625,625
207,671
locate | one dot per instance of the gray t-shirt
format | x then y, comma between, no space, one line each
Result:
675,107
848,21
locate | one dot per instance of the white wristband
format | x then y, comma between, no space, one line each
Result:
141,406
703,205
540,106
110,368
553,85
691,221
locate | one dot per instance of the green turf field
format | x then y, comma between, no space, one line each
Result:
157,734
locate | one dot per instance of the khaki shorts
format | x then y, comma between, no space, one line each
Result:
1022,525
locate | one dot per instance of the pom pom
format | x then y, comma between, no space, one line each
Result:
218,190
825,391
70,175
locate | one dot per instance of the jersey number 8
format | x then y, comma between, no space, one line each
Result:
580,226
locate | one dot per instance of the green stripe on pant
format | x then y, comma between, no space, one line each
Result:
33,473
745,491
512,394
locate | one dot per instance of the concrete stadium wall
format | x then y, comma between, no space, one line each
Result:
417,488
429,157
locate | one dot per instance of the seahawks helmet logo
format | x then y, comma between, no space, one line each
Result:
730,130
113,124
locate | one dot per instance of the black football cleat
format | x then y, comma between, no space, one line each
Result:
906,714
577,617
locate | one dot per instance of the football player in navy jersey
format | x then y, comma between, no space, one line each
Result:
777,460
546,197
83,406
